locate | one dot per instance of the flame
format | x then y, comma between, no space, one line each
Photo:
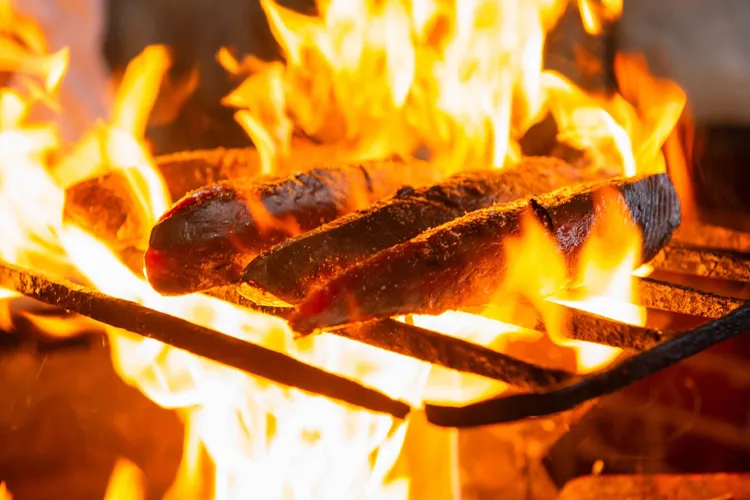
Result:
126,482
49,67
390,77
627,129
603,276
609,260
678,152
260,438
267,222
449,387
461,81
226,411
23,49
535,249
603,280
119,144
4,493
63,327
595,14
610,257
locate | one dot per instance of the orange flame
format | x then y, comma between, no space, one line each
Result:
463,81
450,387
23,49
126,482
625,130
261,438
267,222
609,259
596,13
388,77
4,493
603,279
603,275
119,145
612,252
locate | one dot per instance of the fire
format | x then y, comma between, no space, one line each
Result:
613,128
23,50
390,77
119,144
4,493
608,261
537,274
462,81
226,410
260,438
595,14
126,482
535,249
602,282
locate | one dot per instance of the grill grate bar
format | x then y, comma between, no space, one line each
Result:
684,300
198,340
519,406
551,390
688,259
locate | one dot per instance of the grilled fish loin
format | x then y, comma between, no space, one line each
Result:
208,237
462,263
295,267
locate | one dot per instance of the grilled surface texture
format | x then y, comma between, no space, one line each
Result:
208,237
107,206
462,262
300,264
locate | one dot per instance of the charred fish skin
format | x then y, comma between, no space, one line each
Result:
461,263
208,237
300,264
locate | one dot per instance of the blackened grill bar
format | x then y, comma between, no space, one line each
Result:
453,353
590,327
684,300
560,394
607,381
654,294
689,259
195,339
554,390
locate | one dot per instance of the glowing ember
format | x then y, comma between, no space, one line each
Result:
463,81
